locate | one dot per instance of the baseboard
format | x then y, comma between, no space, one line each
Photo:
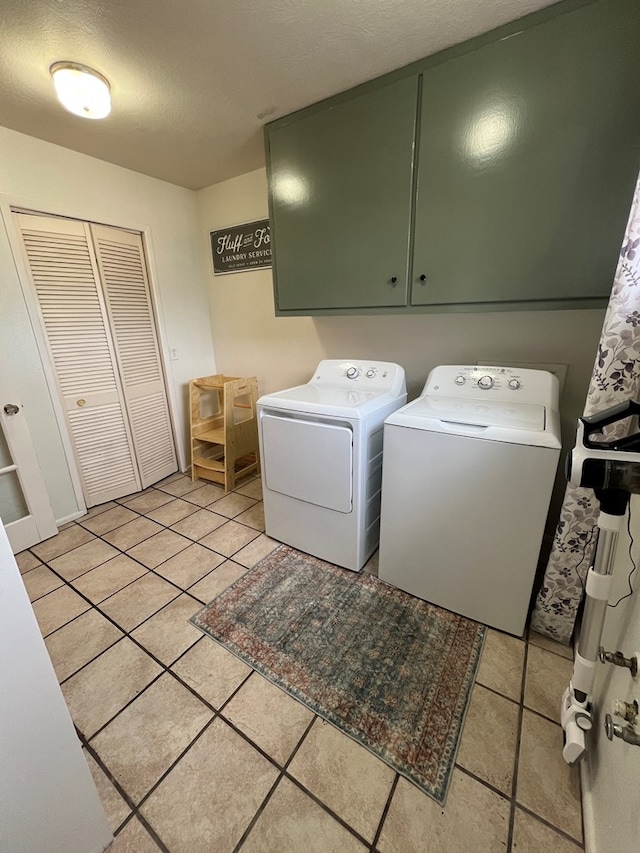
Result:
67,518
588,824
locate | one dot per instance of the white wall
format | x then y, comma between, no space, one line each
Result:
48,802
611,776
45,177
283,351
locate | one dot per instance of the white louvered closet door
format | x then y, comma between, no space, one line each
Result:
64,275
124,278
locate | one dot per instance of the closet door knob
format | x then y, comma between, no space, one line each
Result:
81,402
394,279
423,277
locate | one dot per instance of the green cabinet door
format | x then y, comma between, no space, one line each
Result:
340,181
529,150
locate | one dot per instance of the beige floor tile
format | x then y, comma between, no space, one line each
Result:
251,554
75,563
229,538
222,762
39,581
548,676
212,671
217,581
79,642
550,645
109,520
233,504
180,486
65,541
269,716
205,495
546,785
253,517
190,565
252,490
134,838
502,663
344,775
177,475
113,804
133,533
27,561
148,500
489,738
108,578
532,836
474,818
96,510
198,524
136,602
293,823
158,548
149,735
371,566
172,512
104,686
169,633
57,608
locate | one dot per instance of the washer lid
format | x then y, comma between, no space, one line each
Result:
480,413
329,400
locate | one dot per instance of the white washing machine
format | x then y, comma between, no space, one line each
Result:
321,452
468,472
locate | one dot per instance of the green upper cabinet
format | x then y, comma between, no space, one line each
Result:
496,175
529,149
340,192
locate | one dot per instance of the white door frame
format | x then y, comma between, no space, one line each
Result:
40,523
11,204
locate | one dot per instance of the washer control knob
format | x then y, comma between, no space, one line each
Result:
460,380
514,384
485,382
371,373
353,372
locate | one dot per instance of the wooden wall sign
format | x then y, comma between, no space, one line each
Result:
241,247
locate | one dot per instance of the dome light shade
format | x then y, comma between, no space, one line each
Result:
81,90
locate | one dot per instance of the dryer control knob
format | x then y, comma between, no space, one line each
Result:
485,382
353,372
460,380
514,384
371,373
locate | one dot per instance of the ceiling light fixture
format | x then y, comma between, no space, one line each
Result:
81,90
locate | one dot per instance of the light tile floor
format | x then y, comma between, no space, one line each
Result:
193,752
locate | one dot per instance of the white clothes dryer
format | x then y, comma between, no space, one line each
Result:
468,475
321,453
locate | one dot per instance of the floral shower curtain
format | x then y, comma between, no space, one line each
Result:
615,379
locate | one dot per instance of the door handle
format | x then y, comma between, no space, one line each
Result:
11,409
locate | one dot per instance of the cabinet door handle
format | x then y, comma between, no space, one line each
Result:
423,278
394,279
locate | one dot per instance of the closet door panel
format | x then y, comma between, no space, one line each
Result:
64,276
121,261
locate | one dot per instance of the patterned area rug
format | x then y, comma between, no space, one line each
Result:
391,671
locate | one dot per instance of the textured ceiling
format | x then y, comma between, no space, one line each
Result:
189,79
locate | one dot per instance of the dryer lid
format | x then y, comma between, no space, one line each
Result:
481,413
330,400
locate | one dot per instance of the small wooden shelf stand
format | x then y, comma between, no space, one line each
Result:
224,429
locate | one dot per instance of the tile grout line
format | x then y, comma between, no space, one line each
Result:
561,832
516,766
272,790
385,812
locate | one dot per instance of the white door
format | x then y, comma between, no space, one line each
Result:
65,279
95,305
125,284
24,503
